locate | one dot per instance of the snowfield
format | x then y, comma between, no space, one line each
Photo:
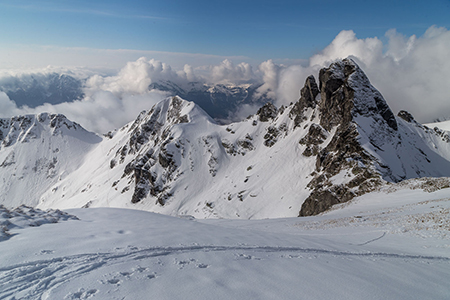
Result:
392,244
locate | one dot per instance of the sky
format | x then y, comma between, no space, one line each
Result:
120,47
254,31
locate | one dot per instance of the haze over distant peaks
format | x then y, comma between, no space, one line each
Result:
36,89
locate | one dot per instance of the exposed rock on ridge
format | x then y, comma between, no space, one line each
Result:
346,98
308,95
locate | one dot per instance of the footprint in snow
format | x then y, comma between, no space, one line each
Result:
246,256
82,294
113,281
42,252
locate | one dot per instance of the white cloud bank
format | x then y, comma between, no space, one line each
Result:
410,72
100,113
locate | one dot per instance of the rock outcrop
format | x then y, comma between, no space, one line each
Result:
348,103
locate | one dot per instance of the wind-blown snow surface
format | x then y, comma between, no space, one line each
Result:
378,246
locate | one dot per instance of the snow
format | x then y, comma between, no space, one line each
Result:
445,125
379,246
37,151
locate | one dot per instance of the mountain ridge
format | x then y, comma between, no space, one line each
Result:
340,140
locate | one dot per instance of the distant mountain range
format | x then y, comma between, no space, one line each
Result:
220,101
36,89
338,141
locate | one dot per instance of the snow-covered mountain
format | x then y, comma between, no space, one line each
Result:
338,141
36,89
220,101
37,151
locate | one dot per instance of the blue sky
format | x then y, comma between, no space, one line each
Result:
258,30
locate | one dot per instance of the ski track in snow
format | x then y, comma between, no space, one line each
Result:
38,278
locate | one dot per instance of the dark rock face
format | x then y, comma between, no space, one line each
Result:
267,112
308,96
342,86
270,138
316,136
318,202
406,116
386,113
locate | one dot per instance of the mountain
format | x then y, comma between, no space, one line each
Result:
220,101
36,89
36,151
338,141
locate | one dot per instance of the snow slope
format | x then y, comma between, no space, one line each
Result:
36,151
445,125
379,246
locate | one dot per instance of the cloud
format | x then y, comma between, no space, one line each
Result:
7,107
270,77
416,74
101,112
227,72
346,44
410,72
134,78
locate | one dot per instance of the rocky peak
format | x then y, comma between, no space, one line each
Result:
346,96
267,112
307,99
346,93
153,148
28,127
406,116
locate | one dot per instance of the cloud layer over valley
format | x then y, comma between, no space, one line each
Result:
409,71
